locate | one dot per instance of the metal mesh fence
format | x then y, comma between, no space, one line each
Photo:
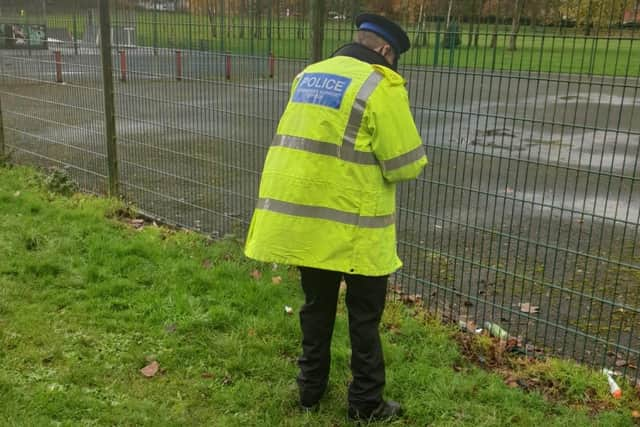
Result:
527,216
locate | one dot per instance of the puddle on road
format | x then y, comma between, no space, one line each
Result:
596,98
611,208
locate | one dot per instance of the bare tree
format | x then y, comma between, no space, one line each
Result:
516,14
449,13
588,21
211,13
494,35
421,33
474,10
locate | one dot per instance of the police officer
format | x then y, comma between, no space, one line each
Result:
327,203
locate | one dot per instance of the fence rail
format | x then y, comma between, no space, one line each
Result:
527,216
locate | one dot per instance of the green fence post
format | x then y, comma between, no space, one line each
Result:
109,105
2,149
75,30
270,30
27,32
190,28
222,24
436,48
317,18
155,31
452,33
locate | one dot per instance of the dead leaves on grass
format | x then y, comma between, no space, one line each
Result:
151,369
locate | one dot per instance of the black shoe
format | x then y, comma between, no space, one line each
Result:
309,400
387,410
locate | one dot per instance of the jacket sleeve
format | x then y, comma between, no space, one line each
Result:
396,142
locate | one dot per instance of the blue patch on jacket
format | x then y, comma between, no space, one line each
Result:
321,89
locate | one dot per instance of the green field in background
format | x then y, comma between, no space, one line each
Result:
539,49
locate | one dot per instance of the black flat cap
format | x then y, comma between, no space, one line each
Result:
385,28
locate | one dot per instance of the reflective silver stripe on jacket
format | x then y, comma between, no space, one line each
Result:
347,151
403,160
320,212
357,111
318,147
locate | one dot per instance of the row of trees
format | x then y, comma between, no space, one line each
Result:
588,16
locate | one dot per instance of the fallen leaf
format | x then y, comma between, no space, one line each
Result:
411,299
206,264
526,307
170,328
635,414
620,363
137,223
150,370
276,280
396,288
256,274
468,325
207,375
512,382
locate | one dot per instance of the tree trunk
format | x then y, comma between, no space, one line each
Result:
301,21
474,17
494,36
421,35
212,21
243,12
588,20
229,20
257,17
515,23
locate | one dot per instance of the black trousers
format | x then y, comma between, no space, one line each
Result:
365,302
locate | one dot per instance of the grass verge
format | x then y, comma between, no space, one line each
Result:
90,296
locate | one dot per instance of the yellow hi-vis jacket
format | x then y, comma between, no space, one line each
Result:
328,188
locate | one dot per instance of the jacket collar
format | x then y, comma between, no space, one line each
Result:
363,53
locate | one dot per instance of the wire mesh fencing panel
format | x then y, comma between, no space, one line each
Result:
199,92
51,89
527,215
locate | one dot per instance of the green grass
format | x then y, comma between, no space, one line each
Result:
86,301
539,49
